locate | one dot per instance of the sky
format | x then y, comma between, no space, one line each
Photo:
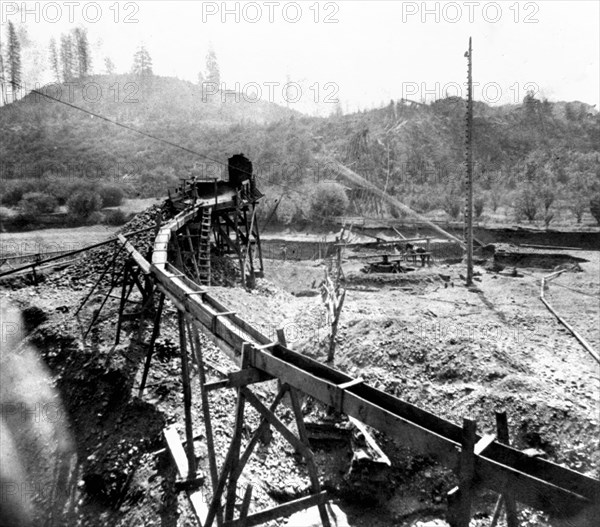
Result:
360,53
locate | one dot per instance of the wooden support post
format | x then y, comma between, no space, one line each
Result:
245,506
258,245
264,424
192,252
97,314
210,443
124,296
334,325
236,443
310,462
187,397
102,275
148,299
155,333
506,499
228,465
460,498
249,256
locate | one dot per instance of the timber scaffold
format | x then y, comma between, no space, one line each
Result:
478,460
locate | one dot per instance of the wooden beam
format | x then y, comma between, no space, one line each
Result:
281,511
196,497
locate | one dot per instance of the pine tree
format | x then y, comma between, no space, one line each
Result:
66,57
82,52
2,75
212,68
54,59
109,65
13,57
142,62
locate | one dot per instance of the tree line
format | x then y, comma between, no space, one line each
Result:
70,57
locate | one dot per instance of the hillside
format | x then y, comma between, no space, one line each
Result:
412,150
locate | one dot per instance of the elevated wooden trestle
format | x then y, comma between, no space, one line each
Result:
486,461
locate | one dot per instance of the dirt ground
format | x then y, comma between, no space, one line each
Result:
422,336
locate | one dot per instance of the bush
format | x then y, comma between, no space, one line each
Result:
595,207
84,203
526,204
328,199
114,217
424,202
112,195
478,204
578,204
63,188
452,204
34,203
12,191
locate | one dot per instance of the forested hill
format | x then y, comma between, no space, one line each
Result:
38,132
409,149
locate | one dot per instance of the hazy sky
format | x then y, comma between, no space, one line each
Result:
360,52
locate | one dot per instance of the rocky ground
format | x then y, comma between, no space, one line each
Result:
422,336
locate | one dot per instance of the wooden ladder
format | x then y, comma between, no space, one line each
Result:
204,246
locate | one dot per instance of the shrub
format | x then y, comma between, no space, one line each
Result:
114,217
578,204
328,199
478,204
34,203
84,203
547,197
112,195
526,204
12,191
424,202
452,204
595,207
63,188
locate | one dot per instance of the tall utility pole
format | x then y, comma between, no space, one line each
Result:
469,162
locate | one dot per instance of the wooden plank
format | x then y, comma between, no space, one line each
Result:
196,497
281,511
217,385
466,473
483,443
276,423
382,458
507,497
247,376
177,451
